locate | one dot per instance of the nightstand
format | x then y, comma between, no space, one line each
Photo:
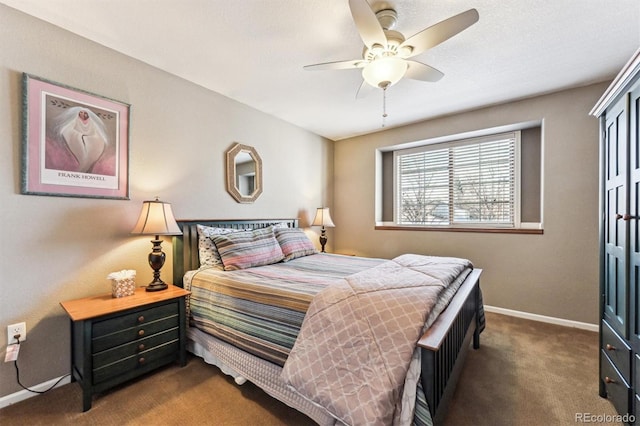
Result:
117,339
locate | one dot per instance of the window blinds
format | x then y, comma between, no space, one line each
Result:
464,182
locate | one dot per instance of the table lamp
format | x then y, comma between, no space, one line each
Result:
156,218
323,218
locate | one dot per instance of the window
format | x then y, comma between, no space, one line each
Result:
465,183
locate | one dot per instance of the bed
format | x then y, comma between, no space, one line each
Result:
454,323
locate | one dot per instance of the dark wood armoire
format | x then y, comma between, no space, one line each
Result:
619,113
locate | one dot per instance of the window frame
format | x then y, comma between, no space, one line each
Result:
517,226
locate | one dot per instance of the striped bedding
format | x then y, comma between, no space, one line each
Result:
260,310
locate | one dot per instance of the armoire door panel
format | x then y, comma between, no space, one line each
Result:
616,230
614,304
615,227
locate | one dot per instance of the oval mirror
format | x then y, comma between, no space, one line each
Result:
244,173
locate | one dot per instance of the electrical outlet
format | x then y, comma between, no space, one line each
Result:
17,328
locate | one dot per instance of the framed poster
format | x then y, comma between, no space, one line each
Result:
75,143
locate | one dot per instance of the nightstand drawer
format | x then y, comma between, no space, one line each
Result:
118,353
139,361
134,333
617,350
617,388
143,316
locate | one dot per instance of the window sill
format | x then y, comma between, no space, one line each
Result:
448,229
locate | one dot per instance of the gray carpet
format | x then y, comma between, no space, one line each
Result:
525,373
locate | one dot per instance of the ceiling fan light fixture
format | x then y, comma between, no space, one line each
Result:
384,72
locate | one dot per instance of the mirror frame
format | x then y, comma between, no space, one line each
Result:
232,189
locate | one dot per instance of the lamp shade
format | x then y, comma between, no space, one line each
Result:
384,72
323,218
156,218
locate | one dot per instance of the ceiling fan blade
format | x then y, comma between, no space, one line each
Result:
367,24
437,33
422,72
364,90
338,65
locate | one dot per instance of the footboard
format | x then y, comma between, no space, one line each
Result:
445,344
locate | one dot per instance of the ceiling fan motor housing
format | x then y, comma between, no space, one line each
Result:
394,40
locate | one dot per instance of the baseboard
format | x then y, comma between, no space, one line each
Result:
5,401
542,318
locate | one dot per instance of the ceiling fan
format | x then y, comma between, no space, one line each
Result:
385,59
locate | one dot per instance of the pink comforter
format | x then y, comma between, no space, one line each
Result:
357,338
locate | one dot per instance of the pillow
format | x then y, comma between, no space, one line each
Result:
207,250
294,243
241,250
280,225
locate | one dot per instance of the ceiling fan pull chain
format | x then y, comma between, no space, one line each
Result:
384,105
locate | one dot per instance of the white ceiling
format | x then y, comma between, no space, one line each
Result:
253,51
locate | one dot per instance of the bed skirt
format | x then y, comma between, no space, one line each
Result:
242,365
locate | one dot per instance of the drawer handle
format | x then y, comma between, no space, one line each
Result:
141,347
141,318
610,347
609,380
140,332
141,360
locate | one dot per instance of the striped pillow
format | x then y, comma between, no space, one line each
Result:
207,251
294,243
242,250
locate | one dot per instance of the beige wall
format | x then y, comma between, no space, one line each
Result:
56,248
555,274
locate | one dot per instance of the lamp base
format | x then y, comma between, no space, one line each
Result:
323,240
156,260
156,287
